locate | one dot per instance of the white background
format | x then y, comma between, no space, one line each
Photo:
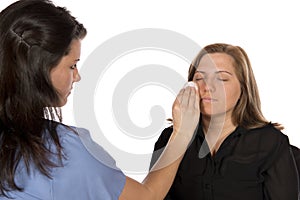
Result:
267,30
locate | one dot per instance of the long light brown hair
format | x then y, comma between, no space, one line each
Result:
247,113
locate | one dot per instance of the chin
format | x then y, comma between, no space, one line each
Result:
62,103
212,114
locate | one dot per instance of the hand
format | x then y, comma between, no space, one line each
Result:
186,111
157,183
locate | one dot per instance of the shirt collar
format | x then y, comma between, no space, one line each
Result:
237,132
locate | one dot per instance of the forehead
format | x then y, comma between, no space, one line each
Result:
75,49
73,56
216,62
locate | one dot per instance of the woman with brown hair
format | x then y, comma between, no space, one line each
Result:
42,158
237,153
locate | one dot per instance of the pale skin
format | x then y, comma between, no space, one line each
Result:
185,111
219,90
66,73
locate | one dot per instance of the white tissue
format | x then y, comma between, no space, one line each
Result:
190,84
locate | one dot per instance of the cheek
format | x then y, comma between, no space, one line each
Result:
201,86
56,80
61,82
232,96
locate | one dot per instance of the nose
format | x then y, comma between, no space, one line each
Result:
76,75
209,85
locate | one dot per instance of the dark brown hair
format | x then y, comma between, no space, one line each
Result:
34,36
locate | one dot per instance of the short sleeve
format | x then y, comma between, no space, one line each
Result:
88,172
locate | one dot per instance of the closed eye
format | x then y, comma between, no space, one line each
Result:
223,79
223,75
199,79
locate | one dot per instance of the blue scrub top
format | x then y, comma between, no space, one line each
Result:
88,172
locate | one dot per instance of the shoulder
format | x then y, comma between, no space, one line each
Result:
267,140
164,137
86,160
78,142
266,144
72,137
268,128
166,133
268,134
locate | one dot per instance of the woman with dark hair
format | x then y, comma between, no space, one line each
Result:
237,153
41,158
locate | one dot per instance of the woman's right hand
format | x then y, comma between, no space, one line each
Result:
157,183
186,111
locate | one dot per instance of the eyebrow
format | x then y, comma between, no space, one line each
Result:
217,72
76,60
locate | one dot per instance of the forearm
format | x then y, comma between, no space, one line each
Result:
162,174
158,182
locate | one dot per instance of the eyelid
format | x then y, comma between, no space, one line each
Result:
223,79
223,76
199,76
224,72
199,79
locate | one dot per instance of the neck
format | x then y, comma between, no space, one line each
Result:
216,128
218,123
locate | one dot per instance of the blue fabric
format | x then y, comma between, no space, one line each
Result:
87,172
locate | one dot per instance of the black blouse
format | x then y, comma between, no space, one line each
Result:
254,164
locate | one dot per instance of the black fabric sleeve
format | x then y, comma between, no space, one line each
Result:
296,153
281,179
